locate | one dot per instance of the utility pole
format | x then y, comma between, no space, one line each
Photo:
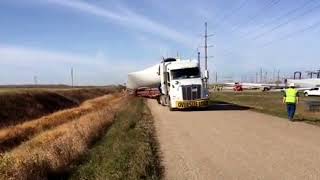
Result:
216,77
206,46
71,77
260,75
206,54
274,75
35,79
266,77
199,61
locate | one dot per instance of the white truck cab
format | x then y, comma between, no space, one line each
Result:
182,85
312,92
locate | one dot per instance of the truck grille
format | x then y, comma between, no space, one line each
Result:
191,92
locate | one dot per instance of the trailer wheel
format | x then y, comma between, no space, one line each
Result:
266,89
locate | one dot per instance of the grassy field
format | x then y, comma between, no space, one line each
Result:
129,150
115,141
270,103
22,104
14,135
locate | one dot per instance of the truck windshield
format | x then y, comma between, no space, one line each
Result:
185,73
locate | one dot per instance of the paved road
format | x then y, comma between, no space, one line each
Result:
226,143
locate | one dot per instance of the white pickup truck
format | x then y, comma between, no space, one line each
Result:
312,92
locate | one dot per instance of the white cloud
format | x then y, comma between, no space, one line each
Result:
54,66
127,18
13,55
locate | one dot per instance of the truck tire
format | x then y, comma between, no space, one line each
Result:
170,107
167,100
158,100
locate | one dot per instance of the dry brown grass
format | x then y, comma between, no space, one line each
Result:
12,136
20,105
55,149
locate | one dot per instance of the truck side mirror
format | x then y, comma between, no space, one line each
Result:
206,74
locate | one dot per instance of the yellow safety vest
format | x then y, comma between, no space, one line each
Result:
291,95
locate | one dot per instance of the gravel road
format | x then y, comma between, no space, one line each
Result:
226,143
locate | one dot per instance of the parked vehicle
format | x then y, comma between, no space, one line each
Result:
312,92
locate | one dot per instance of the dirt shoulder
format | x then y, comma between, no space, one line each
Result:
235,144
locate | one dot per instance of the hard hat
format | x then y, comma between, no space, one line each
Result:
291,85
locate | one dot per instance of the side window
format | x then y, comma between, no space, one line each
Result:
168,77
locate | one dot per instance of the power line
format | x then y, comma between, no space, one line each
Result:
304,13
303,5
279,17
286,22
226,16
231,13
288,36
270,4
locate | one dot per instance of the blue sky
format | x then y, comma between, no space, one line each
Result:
103,40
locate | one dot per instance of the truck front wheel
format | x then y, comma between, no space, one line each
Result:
170,107
162,100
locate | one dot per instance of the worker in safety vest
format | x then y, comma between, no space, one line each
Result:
291,98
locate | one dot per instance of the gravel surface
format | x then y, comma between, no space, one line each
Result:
235,144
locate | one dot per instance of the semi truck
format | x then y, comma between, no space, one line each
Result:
180,83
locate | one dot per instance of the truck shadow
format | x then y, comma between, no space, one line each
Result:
220,106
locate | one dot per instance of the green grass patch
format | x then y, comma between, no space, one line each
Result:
129,149
269,103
